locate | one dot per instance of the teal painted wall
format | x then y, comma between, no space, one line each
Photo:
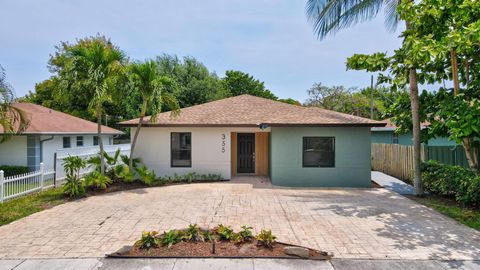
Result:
406,139
352,157
382,137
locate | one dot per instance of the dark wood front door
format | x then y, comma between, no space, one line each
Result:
246,153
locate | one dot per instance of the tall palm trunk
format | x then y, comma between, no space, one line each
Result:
416,129
100,141
417,156
134,142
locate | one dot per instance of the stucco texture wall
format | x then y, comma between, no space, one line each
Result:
14,151
352,157
211,149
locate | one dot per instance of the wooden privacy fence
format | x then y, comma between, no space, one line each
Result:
393,159
397,160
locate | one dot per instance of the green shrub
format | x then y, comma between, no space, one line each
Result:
225,233
123,173
193,233
446,180
97,180
172,237
147,176
246,233
13,170
265,238
74,185
148,240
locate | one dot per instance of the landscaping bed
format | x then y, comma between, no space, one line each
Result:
220,242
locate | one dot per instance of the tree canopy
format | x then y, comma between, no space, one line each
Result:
12,119
353,100
195,84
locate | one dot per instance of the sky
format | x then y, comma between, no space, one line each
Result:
269,39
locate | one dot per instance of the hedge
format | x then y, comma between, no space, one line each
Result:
455,181
13,170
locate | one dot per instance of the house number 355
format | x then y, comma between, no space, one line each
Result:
223,142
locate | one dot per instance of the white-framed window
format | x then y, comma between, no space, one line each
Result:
95,140
67,142
79,141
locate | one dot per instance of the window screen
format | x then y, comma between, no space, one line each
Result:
318,152
181,149
79,140
66,142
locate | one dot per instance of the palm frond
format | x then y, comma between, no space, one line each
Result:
12,119
330,16
391,15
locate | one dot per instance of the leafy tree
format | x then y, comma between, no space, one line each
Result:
290,101
329,16
12,119
443,34
351,100
93,67
196,85
239,83
154,90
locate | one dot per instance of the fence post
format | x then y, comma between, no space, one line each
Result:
41,174
55,169
1,186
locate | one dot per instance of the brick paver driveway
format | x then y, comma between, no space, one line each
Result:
351,223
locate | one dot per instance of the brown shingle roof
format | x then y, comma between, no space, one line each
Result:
47,121
246,110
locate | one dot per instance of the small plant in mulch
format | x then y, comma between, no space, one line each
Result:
222,241
266,239
148,240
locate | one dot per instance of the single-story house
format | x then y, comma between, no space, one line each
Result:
388,135
48,132
248,135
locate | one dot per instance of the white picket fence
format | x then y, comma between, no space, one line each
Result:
85,153
22,184
18,185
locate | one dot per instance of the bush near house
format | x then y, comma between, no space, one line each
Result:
453,181
13,170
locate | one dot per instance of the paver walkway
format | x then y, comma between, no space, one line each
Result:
351,223
392,183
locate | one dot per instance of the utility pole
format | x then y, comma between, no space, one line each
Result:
371,98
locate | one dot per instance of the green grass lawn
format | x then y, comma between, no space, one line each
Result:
467,216
14,209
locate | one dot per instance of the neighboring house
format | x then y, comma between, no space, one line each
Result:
48,132
247,135
388,135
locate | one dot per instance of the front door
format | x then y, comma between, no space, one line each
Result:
246,153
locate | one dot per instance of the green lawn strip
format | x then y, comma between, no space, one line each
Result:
467,216
14,209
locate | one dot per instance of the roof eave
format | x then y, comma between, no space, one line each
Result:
256,125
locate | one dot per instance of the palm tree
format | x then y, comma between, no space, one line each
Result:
330,16
12,119
153,89
96,65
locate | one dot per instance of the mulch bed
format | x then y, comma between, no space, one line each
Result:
223,249
122,186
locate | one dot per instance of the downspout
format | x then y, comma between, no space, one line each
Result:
41,147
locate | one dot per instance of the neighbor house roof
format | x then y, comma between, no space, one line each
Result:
47,121
389,126
247,110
